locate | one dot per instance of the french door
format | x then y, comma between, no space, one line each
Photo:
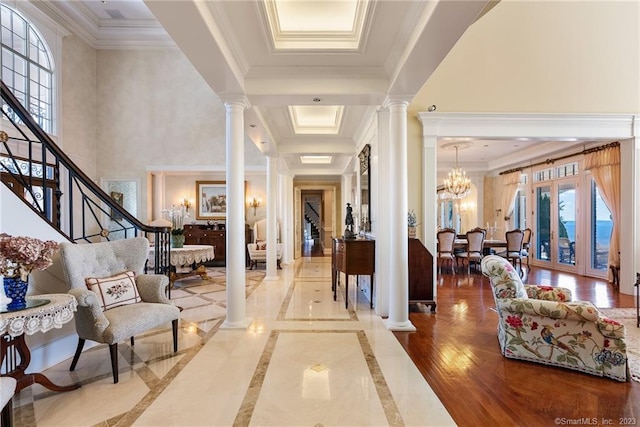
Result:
557,224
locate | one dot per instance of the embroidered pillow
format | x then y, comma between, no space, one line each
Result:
261,245
115,290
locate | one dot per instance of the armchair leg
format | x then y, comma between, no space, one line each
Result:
113,349
174,329
132,342
7,414
77,355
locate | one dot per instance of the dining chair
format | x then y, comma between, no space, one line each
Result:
513,252
446,239
526,244
474,249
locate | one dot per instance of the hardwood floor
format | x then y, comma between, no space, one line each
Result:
456,350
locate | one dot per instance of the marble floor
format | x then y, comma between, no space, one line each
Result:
303,361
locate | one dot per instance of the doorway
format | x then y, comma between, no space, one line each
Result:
557,221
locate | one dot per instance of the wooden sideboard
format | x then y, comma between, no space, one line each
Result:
351,257
200,234
420,274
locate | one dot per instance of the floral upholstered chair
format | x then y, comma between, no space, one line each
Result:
541,324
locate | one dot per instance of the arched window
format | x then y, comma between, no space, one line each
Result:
27,67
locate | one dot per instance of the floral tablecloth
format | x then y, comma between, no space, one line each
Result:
58,311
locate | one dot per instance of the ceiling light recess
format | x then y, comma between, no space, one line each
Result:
313,159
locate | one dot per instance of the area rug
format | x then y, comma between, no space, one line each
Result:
627,316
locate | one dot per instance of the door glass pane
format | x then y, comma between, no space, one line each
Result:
566,223
543,223
601,227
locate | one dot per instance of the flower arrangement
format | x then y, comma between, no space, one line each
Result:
177,215
20,255
412,219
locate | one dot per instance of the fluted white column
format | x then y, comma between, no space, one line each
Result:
398,319
235,250
272,201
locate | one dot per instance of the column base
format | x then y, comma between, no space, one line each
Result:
241,324
270,278
399,326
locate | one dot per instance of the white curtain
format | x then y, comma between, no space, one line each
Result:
605,169
510,184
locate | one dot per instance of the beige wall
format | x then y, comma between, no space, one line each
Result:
154,110
79,103
543,56
177,187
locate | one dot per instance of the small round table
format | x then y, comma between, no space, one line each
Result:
187,255
42,313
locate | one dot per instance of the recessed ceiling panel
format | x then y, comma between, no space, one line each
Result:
316,25
316,119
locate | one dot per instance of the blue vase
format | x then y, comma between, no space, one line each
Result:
16,289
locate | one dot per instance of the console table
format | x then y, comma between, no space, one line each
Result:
200,234
43,313
351,257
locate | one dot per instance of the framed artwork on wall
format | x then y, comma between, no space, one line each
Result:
211,200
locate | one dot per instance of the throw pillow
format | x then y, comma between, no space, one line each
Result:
261,245
116,290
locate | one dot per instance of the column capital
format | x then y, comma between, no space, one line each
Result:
237,101
396,101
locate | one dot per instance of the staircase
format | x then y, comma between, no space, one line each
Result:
55,188
312,217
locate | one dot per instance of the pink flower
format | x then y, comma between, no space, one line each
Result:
610,321
534,326
21,255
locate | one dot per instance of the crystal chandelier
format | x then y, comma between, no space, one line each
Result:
457,185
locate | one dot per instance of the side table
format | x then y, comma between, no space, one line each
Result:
187,255
43,313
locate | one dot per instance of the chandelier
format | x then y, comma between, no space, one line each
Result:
457,185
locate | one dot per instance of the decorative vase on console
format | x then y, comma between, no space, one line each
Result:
412,223
19,256
177,215
177,238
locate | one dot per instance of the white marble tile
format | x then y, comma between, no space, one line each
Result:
304,360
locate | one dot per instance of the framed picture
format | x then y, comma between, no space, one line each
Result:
212,200
119,199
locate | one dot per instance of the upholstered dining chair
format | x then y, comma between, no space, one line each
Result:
526,244
446,239
513,252
474,249
116,300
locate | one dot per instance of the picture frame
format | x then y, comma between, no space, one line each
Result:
211,200
117,197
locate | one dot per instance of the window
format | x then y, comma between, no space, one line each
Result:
26,67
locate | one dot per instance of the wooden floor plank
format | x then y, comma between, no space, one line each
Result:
457,351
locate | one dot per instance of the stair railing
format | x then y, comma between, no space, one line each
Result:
56,189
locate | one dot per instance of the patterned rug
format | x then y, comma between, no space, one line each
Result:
627,316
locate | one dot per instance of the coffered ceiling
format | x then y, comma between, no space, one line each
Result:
314,72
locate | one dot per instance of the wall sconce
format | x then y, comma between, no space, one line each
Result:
186,203
254,202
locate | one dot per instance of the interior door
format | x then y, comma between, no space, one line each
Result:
297,215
